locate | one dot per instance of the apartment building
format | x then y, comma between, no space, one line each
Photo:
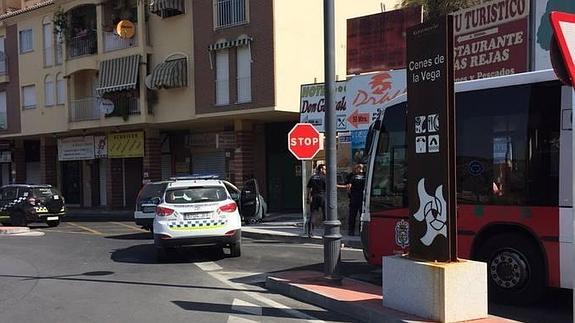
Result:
100,96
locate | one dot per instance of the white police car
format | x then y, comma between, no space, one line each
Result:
197,213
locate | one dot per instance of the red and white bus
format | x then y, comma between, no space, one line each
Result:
514,183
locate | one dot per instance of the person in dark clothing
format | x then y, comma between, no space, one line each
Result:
315,197
354,183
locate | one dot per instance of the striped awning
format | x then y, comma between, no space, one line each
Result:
167,8
170,74
231,43
118,74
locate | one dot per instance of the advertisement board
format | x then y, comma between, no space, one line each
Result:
312,105
76,148
491,39
377,42
367,93
101,147
126,145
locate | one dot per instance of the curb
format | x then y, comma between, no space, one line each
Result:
24,234
293,238
358,312
13,230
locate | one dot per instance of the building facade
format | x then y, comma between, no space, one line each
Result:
98,96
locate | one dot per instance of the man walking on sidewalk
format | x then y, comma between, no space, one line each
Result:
355,183
315,197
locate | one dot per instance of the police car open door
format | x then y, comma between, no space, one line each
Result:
250,203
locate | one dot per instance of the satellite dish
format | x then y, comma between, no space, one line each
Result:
106,106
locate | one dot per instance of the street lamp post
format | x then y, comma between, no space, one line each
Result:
332,235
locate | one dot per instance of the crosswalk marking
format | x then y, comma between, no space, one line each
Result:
246,307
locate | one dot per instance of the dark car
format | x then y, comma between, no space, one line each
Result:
21,204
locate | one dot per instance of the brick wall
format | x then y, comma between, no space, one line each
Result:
153,156
242,162
19,163
49,161
114,185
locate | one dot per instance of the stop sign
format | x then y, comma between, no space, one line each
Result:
303,141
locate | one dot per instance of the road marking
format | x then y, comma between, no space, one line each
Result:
85,228
246,307
209,266
129,226
236,319
258,297
60,231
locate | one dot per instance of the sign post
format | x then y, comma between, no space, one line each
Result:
430,139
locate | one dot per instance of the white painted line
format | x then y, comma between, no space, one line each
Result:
246,307
236,319
208,266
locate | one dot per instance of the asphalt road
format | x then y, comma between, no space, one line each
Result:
107,272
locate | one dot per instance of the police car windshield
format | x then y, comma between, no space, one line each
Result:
198,194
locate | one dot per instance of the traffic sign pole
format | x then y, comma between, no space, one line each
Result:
332,235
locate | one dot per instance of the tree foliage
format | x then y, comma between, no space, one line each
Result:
436,8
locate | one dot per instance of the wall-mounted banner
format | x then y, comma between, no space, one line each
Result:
312,105
101,146
367,93
430,141
491,39
76,148
126,145
358,139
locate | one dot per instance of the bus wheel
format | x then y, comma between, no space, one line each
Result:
515,269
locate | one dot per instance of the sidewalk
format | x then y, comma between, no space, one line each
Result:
289,228
356,299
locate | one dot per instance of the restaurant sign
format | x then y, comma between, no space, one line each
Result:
491,39
76,148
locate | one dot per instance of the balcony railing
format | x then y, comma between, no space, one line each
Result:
113,42
89,108
3,65
82,45
244,89
230,13
3,120
85,109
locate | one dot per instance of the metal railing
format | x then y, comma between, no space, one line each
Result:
3,65
113,42
85,109
244,85
82,45
131,104
230,13
222,92
3,120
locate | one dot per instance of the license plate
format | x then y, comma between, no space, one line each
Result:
197,216
52,218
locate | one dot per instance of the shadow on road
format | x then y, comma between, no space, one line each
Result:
146,254
133,236
252,310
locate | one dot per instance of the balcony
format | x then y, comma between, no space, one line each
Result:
85,109
244,89
229,13
82,45
113,42
88,109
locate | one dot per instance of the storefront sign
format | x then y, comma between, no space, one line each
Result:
312,105
431,143
377,42
100,147
76,148
126,145
125,29
5,157
492,39
367,93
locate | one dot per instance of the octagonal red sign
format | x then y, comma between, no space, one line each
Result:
303,141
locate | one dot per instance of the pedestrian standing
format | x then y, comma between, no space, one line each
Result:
315,197
355,184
